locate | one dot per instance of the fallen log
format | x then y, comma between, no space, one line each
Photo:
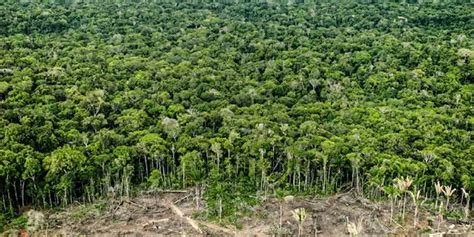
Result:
179,213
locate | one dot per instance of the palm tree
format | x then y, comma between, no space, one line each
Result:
392,192
448,191
416,196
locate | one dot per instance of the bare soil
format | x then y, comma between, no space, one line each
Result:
172,214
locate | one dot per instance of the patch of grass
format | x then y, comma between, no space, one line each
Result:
456,215
3,222
283,231
424,230
262,215
88,211
19,223
228,204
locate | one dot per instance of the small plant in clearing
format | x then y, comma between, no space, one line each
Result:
403,184
448,192
300,216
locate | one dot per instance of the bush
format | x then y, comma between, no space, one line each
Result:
19,223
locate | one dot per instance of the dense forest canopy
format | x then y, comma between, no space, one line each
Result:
106,99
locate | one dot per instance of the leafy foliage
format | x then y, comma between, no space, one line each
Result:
297,97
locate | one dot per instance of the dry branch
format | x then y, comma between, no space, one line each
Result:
136,204
152,222
183,198
172,191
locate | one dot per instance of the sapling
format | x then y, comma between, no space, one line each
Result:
448,192
440,216
281,197
392,192
300,216
403,184
416,196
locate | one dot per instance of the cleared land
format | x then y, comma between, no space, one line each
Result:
172,214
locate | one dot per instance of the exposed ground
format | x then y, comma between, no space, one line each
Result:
171,214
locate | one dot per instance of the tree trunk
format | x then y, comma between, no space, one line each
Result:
467,209
447,203
403,208
415,217
218,164
280,221
220,210
15,191
146,166
357,180
237,167
50,198
9,198
324,175
391,208
299,177
22,183
4,202
184,174
198,196
306,176
173,151
65,197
